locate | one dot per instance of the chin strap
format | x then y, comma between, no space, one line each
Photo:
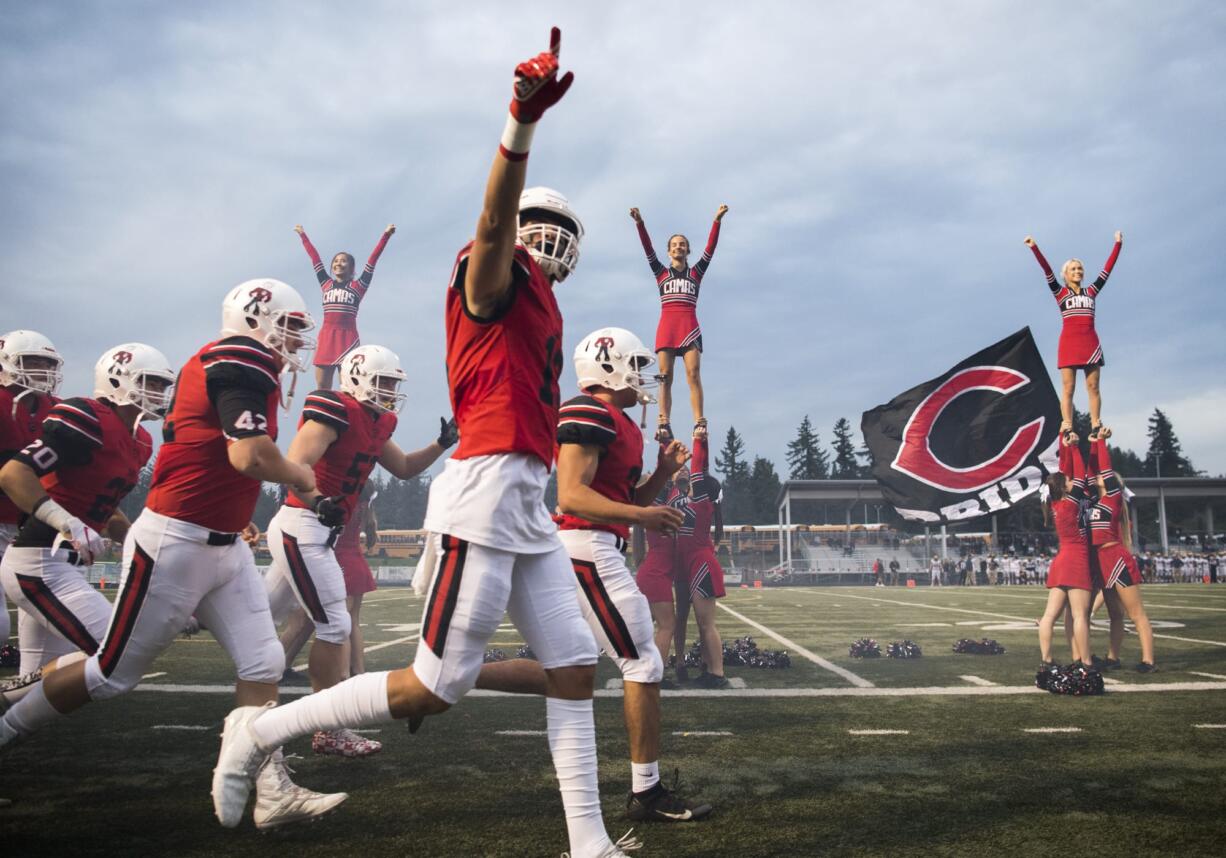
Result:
288,400
17,399
643,422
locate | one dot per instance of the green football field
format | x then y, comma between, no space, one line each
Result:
943,755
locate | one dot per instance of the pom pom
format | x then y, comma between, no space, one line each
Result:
1076,679
903,649
525,651
742,652
983,647
864,648
492,655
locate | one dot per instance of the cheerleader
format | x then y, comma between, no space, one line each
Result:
342,295
1068,577
678,333
1079,345
1111,536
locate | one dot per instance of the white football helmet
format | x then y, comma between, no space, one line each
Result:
555,247
616,359
123,375
17,349
372,374
273,313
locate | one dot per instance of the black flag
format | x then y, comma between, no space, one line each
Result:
975,440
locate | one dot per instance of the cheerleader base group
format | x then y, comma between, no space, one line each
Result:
1095,564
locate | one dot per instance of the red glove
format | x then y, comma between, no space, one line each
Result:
537,87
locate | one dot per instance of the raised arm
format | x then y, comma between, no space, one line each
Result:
652,261
1077,468
404,466
672,456
369,271
487,279
320,274
712,240
1102,462
1101,280
1047,272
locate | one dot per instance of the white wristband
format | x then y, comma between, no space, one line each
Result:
53,515
517,137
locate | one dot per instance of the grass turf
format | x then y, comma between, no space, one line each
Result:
790,780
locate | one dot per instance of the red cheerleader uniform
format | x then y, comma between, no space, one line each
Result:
654,575
349,554
678,330
1079,345
1116,564
1071,566
697,552
339,332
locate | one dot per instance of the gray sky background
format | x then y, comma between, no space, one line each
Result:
882,162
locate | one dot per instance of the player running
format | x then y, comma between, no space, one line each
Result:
600,495
497,548
697,566
30,373
1111,536
183,555
1068,577
71,480
342,436
678,333
1079,345
342,296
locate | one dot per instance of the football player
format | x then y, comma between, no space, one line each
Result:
70,481
495,546
600,495
185,555
342,435
30,374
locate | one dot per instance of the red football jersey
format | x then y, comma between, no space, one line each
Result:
503,372
228,390
88,460
588,420
361,433
16,431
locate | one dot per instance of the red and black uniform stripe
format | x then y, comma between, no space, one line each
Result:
127,610
607,615
444,594
62,619
301,578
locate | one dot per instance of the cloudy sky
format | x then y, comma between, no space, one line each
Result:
882,162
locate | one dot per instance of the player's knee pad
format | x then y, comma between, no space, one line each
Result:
648,668
263,663
336,630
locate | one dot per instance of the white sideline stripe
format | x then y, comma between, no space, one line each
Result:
880,732
926,625
1210,726
1185,607
858,681
1109,681
1210,675
1051,730
181,727
703,733
1010,617
931,691
978,680
152,675
301,668
521,733
733,682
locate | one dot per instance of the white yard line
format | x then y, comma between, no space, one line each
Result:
152,675
183,727
930,691
1109,681
879,732
978,680
1210,726
1052,730
858,681
702,733
521,733
1210,675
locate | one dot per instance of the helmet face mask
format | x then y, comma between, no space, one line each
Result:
29,360
135,374
274,314
372,375
550,230
615,359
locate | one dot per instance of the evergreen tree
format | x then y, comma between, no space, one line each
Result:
1165,455
845,466
763,488
730,461
806,458
865,455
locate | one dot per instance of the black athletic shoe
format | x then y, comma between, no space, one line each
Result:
660,804
1146,667
294,677
1043,676
683,674
1112,664
710,680
1097,663
667,684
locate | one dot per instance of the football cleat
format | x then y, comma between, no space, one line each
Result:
280,801
626,843
660,804
344,743
237,764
